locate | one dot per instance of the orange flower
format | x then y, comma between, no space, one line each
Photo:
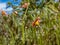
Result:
25,5
36,22
3,13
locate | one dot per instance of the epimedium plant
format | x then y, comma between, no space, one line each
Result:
38,25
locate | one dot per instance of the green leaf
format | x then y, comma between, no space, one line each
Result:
53,8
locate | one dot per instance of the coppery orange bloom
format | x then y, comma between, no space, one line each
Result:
3,13
36,22
25,5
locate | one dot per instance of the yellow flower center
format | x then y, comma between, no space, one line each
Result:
37,23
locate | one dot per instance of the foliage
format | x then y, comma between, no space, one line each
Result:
17,29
